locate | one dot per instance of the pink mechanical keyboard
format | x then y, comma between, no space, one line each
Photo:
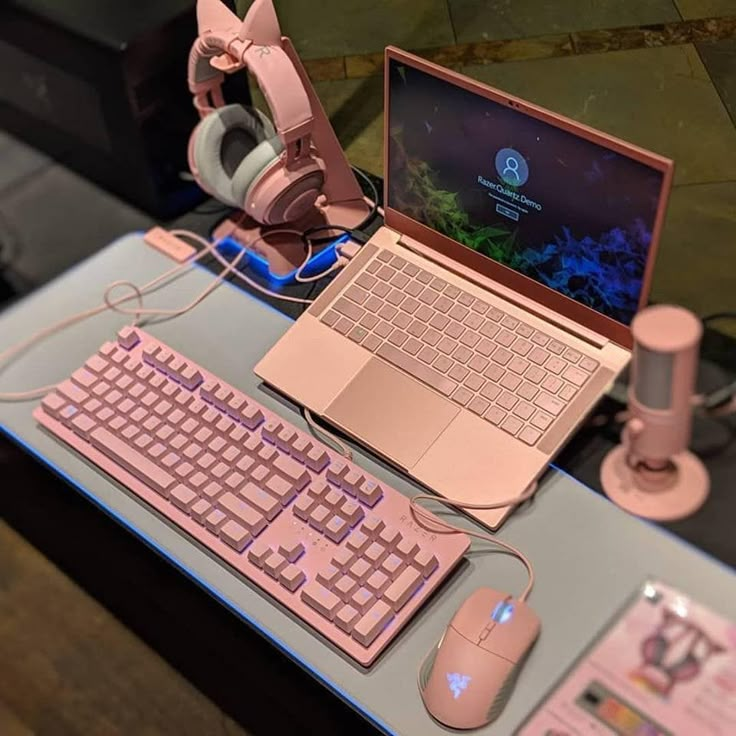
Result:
329,542
495,365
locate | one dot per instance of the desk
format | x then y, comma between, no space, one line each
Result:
588,555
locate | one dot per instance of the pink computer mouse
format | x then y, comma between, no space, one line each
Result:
468,678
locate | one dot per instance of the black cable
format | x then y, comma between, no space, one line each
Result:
717,317
374,198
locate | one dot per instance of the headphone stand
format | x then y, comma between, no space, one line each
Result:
342,202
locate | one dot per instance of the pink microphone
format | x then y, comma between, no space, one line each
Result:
652,473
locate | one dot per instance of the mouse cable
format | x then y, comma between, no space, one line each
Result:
318,429
439,526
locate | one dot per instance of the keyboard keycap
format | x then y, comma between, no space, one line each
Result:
372,623
417,369
292,577
512,425
478,406
345,587
258,553
321,599
495,415
575,375
542,420
403,588
588,364
567,392
530,435
490,391
462,396
550,404
249,517
426,562
556,347
346,618
183,497
234,535
132,460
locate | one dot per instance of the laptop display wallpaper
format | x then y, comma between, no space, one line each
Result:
567,212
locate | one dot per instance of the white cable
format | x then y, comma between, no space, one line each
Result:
114,304
424,518
342,448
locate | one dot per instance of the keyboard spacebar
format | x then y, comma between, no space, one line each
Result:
139,465
416,368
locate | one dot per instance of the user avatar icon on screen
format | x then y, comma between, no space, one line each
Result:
512,167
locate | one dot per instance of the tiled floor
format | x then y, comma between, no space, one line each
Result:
658,73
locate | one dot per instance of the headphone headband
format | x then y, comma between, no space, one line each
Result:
275,74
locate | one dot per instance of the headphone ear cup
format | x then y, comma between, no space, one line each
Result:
220,144
251,167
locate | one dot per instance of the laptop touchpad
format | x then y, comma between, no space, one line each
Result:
391,412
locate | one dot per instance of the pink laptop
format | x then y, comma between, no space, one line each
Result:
470,337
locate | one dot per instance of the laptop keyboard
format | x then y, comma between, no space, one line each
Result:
504,370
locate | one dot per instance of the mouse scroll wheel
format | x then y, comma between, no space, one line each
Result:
503,612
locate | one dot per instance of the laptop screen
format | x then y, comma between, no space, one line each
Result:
570,213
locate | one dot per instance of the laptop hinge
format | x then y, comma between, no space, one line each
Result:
582,333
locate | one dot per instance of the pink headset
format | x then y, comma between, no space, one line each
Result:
235,153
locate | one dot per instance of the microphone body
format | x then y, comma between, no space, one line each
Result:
663,372
652,473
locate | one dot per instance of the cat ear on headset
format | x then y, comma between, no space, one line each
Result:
213,16
261,25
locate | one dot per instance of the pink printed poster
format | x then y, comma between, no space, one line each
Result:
665,667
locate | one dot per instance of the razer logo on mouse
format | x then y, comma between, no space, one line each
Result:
457,683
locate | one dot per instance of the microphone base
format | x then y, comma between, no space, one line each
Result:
664,495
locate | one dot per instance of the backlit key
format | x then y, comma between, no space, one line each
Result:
329,576
360,570
215,520
200,510
274,564
372,623
346,618
258,553
291,550
403,588
392,564
319,516
234,535
292,471
291,577
337,529
370,493
426,562
377,582
345,587
362,599
303,506
343,558
183,497
251,519
321,599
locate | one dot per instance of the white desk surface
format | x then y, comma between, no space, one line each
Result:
588,555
